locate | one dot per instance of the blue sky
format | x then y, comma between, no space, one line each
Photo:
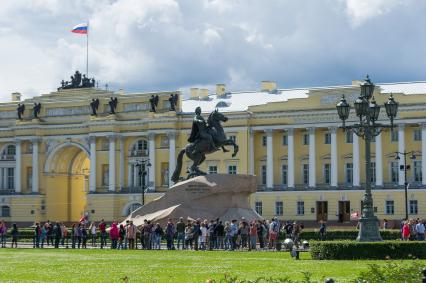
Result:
150,45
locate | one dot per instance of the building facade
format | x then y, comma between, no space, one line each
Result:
67,163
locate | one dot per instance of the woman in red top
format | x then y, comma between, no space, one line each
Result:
406,231
114,234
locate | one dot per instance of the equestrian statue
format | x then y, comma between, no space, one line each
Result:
205,138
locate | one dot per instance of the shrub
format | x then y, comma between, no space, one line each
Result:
345,235
391,272
367,250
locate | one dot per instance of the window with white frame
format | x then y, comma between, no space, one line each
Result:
11,149
285,140
258,207
390,207
394,168
284,174
279,211
232,169
417,164
413,207
349,173
264,141
212,169
349,138
300,208
305,173
5,211
394,135
10,178
305,139
327,174
105,174
263,174
417,135
327,138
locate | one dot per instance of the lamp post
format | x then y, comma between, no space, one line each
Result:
405,167
142,172
367,110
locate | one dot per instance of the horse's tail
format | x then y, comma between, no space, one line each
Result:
176,173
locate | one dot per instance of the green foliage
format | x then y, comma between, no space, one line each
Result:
344,235
307,278
392,272
367,250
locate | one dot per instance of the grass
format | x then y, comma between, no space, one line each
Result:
29,265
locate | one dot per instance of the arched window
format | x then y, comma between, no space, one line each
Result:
140,148
5,211
8,152
132,207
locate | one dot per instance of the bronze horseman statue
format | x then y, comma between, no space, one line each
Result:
205,138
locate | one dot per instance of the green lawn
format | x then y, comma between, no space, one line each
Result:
25,265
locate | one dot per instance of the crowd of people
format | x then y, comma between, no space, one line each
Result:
413,229
185,235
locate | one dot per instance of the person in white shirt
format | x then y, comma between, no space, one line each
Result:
420,230
203,237
93,234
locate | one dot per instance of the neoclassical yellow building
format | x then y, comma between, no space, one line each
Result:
67,162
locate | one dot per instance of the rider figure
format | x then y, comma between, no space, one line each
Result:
200,130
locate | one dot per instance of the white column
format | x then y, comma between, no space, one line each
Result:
121,177
312,155
290,158
379,162
251,152
35,166
18,166
172,155
401,148
92,176
333,154
111,160
424,154
269,159
151,149
355,160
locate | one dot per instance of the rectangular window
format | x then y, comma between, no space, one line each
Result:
10,178
394,167
417,170
394,135
264,141
305,174
263,174
233,138
300,208
305,139
327,175
413,207
284,174
279,208
285,140
390,207
212,169
29,178
349,138
105,175
327,138
232,169
373,172
417,135
349,169
5,211
258,207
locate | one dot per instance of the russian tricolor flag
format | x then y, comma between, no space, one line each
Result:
81,28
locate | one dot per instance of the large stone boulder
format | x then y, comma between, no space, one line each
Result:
212,196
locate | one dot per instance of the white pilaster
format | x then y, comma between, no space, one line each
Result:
92,174
111,159
151,148
172,155
355,160
269,159
424,154
251,152
312,155
35,168
121,177
379,162
290,158
401,148
333,154
18,166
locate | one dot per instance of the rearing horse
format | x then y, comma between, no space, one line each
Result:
197,150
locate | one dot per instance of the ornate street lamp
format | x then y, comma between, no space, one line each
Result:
142,172
405,168
367,128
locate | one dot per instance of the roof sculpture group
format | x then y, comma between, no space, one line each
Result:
77,81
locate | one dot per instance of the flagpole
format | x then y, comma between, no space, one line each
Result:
87,50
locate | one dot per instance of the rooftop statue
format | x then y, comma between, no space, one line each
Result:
20,110
36,109
94,104
173,99
113,105
77,81
154,103
205,138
